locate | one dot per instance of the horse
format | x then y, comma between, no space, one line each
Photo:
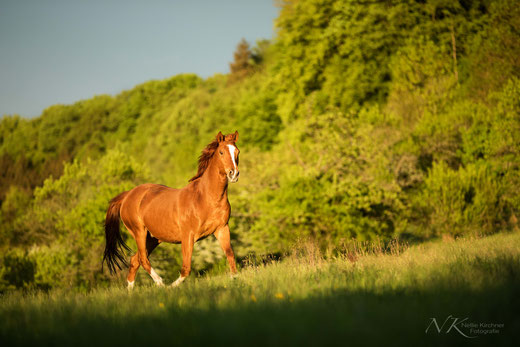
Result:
154,213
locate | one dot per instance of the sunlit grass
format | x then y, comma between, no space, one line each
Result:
289,301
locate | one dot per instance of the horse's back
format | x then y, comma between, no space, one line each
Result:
158,196
134,197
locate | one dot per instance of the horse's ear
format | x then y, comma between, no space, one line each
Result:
220,137
235,135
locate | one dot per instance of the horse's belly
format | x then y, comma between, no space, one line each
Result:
162,225
166,232
170,237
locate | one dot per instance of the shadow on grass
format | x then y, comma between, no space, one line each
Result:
338,318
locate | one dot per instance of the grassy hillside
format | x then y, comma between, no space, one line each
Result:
365,295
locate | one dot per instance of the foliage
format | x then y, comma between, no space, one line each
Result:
323,187
17,271
64,223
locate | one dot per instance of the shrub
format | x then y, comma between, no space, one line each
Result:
17,270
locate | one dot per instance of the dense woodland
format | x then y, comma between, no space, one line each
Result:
358,119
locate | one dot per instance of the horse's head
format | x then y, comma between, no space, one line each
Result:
227,154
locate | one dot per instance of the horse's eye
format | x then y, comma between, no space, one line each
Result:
221,153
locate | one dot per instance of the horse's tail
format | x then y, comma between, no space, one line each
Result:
115,246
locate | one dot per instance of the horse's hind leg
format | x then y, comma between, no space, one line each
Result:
151,243
134,266
146,244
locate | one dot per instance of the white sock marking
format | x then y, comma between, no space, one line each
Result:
178,281
130,285
156,278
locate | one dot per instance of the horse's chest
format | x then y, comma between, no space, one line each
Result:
215,219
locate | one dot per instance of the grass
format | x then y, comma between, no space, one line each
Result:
367,297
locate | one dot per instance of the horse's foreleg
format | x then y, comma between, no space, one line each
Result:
187,250
224,239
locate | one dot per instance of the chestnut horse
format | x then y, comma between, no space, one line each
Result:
154,213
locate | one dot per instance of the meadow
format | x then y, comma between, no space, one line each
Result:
364,294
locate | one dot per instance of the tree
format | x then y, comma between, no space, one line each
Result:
242,66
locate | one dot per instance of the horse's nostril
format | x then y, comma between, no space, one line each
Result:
238,173
231,172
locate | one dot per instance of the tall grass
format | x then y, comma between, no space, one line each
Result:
364,295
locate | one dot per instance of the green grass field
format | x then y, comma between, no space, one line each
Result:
358,298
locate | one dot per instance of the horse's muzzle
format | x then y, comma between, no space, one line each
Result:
233,176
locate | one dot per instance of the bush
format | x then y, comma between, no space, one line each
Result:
54,266
17,271
463,201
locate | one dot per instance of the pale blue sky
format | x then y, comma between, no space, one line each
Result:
63,51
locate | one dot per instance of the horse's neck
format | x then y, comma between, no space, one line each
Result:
214,184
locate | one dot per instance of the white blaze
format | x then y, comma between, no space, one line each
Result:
232,152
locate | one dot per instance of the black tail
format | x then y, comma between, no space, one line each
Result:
115,246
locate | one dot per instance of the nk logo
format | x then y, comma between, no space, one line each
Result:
450,324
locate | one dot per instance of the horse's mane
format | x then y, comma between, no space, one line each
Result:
205,157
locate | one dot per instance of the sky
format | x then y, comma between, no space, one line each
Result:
63,51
